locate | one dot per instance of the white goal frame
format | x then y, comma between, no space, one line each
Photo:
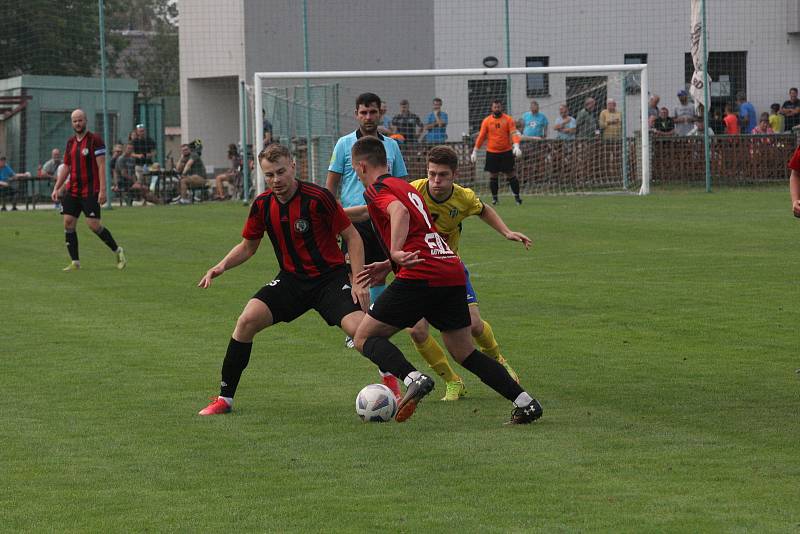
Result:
259,78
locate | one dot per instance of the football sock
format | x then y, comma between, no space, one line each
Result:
71,238
493,186
229,400
492,374
105,235
434,355
523,400
387,357
514,183
487,343
236,359
375,292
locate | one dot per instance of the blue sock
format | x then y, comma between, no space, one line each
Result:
375,292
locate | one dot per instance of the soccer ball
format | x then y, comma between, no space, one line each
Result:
376,404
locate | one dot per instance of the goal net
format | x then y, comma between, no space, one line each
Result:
580,127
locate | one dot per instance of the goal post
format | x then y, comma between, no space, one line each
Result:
311,121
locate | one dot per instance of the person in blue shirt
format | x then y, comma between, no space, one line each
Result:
534,122
7,176
435,129
351,192
747,114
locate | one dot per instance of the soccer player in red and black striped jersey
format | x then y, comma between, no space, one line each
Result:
429,283
85,164
302,221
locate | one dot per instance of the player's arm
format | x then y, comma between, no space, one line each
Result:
490,217
399,219
237,256
332,182
101,174
794,190
515,138
482,135
355,249
61,176
357,213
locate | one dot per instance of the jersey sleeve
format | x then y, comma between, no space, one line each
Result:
254,226
483,133
68,154
794,163
338,218
472,204
99,145
398,165
337,158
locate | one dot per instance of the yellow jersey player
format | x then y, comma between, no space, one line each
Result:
449,204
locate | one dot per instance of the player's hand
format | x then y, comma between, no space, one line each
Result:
360,294
796,208
516,150
374,274
522,238
101,197
211,274
54,195
474,156
406,259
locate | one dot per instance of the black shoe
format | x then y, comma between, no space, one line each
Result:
494,201
518,201
526,414
415,392
13,208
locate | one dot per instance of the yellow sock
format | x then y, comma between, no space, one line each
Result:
487,343
434,355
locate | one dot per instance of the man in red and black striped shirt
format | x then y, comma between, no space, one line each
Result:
85,164
302,221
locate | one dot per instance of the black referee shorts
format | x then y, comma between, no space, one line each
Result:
405,302
288,296
499,162
373,250
75,205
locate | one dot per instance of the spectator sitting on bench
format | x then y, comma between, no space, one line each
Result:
7,176
192,173
230,175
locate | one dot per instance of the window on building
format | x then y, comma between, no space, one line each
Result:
633,80
538,84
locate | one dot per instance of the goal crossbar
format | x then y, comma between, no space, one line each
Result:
313,75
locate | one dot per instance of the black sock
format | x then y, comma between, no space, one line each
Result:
387,357
236,359
71,238
514,183
493,186
107,238
492,374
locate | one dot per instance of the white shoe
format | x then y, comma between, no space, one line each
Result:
184,201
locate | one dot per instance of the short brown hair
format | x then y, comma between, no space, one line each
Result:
444,155
273,153
371,150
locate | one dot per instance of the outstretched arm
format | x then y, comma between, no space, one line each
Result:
399,217
490,217
237,256
357,213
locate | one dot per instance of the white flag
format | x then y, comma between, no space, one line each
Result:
697,85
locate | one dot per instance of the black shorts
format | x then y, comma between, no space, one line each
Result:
499,162
373,250
75,205
405,302
288,297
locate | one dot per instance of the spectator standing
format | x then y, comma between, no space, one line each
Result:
610,121
585,122
731,121
144,150
266,129
385,126
664,124
406,123
435,129
747,113
85,163
499,131
683,115
565,124
534,122
791,110
697,130
775,118
230,175
652,107
7,185
192,172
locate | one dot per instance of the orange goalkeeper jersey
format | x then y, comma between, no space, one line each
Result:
498,133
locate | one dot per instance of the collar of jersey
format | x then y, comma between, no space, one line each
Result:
359,135
296,192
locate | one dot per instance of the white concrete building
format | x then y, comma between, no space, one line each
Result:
755,45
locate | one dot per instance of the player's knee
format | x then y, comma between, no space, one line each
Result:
418,333
476,326
247,325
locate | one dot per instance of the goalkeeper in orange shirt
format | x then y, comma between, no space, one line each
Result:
502,147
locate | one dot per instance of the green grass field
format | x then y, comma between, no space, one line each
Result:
660,334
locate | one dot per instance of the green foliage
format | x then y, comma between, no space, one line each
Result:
658,332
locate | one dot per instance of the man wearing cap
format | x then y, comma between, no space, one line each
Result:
683,117
144,149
